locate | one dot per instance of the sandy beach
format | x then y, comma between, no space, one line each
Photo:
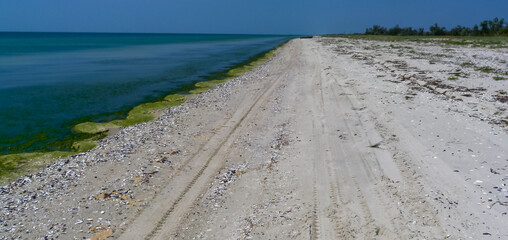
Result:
332,138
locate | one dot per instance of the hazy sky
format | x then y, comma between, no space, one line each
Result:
241,16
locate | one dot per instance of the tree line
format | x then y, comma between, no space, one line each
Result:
494,27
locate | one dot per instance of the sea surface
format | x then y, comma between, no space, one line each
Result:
51,81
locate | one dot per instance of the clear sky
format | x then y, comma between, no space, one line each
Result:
241,16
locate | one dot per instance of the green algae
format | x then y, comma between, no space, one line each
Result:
14,165
84,145
201,87
146,111
236,71
93,127
139,114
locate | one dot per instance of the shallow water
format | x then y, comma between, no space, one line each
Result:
52,81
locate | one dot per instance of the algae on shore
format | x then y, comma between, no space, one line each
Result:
139,114
93,127
145,112
201,87
13,165
204,86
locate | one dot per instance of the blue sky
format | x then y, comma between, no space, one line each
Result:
237,16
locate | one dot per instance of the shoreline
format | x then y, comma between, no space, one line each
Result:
30,162
330,138
63,173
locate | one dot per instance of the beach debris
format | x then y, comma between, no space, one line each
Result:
103,234
375,145
97,228
144,177
114,195
499,203
140,179
501,98
174,152
161,160
228,177
134,203
477,182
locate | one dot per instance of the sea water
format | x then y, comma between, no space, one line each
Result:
51,81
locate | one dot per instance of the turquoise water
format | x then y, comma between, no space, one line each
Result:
52,81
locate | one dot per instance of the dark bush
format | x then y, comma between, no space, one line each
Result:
492,27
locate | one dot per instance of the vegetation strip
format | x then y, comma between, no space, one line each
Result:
494,27
489,33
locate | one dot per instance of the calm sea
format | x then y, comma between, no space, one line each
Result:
52,81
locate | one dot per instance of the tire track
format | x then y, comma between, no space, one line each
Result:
370,165
373,161
348,159
345,225
376,212
328,212
218,155
346,202
166,211
321,193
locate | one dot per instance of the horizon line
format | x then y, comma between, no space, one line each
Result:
278,34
